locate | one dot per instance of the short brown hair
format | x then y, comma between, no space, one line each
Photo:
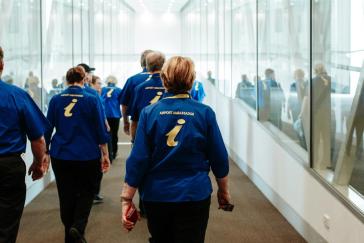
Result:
75,75
1,54
94,79
143,62
155,61
178,74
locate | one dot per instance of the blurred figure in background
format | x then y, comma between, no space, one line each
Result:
111,96
34,90
210,78
128,90
96,84
197,91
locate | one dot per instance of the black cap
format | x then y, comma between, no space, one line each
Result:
87,68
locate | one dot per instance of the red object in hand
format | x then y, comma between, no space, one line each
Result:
132,214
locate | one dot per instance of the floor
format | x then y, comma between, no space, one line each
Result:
253,220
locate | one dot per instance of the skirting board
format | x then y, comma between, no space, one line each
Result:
302,227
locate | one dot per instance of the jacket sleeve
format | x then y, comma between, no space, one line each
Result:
138,161
216,150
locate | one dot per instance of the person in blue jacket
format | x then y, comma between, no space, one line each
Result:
78,151
111,96
20,118
197,91
177,143
128,90
148,92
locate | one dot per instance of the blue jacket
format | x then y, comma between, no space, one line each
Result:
111,96
19,117
145,94
128,90
78,119
177,142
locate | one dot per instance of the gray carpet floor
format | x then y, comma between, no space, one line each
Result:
253,220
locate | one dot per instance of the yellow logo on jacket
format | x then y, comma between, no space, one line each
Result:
156,98
109,93
68,109
174,132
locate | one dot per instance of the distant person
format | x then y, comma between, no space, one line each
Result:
177,143
128,90
322,123
31,78
53,91
299,88
197,91
276,97
78,151
149,92
20,119
35,91
242,86
8,79
210,78
96,84
111,96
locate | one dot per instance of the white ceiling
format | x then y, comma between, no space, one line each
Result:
156,5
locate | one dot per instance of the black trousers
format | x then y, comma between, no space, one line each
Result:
76,184
114,129
184,222
12,196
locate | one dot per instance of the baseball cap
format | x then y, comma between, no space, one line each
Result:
86,67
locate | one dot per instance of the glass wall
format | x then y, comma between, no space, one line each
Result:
295,62
42,39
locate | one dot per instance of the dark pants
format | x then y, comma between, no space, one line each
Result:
114,129
12,196
184,222
76,182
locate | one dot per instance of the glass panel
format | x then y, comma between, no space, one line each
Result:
283,68
244,66
337,93
212,42
20,39
57,45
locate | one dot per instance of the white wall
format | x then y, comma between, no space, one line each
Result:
255,150
158,31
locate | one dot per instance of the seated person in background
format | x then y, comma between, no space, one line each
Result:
197,91
243,84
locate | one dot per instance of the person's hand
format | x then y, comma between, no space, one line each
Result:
125,205
223,198
105,164
39,168
108,129
127,128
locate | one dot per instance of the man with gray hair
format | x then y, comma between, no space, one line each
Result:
24,119
147,93
128,90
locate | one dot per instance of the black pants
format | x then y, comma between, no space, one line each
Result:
178,222
76,182
114,129
12,196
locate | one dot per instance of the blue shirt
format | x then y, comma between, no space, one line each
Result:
197,91
111,97
80,126
145,94
177,142
19,117
129,87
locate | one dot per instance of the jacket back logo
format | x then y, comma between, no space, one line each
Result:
68,109
171,136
